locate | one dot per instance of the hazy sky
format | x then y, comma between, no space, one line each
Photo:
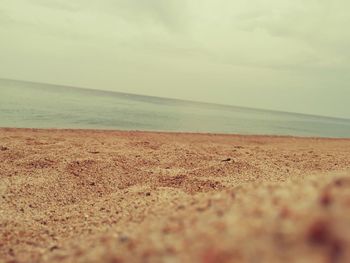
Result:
290,55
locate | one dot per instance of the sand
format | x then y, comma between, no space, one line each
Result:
108,196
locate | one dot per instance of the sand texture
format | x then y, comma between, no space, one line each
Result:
107,196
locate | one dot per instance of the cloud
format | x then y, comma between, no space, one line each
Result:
273,34
171,14
317,25
70,6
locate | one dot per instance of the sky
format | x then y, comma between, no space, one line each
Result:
289,55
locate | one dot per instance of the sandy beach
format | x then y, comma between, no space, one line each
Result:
112,196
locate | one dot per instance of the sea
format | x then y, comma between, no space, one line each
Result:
36,105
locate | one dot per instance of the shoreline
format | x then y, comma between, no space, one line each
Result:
14,129
133,196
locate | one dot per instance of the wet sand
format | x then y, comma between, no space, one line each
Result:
109,196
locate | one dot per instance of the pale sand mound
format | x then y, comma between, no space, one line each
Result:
89,196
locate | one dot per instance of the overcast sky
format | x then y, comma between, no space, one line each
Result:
290,55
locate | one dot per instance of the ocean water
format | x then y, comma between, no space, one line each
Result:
34,105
